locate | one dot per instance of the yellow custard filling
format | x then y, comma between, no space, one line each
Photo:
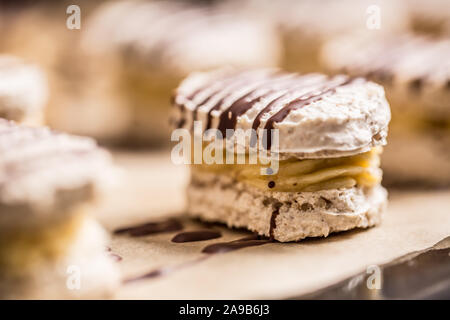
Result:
25,248
295,175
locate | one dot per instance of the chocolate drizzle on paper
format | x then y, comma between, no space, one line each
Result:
200,235
223,247
151,228
188,236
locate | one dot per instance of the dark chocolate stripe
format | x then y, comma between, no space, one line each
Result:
228,81
198,235
297,85
193,96
301,102
272,104
227,86
224,247
228,118
230,92
273,220
267,109
146,229
225,81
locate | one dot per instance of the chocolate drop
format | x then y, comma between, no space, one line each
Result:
191,236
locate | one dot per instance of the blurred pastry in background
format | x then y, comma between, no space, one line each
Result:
23,91
82,98
50,246
327,176
431,17
33,32
85,99
161,42
305,25
415,71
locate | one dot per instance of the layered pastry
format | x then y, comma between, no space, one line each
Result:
50,246
23,91
305,25
415,70
159,43
324,173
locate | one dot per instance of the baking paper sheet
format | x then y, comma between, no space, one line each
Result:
152,189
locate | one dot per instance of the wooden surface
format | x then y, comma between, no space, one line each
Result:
152,188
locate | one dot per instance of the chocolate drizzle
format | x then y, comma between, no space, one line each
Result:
163,271
273,219
151,228
228,118
223,247
112,255
115,257
235,85
302,101
222,82
189,236
216,248
245,90
417,84
200,235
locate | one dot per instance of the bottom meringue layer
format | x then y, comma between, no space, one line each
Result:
284,216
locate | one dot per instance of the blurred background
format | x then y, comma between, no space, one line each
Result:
112,78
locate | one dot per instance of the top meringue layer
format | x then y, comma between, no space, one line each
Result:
317,116
43,172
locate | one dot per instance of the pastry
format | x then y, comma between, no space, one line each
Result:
82,92
325,175
50,246
23,91
305,25
415,72
161,42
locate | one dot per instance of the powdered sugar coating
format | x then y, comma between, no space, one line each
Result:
43,170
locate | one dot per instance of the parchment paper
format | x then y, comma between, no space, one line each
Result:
153,188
